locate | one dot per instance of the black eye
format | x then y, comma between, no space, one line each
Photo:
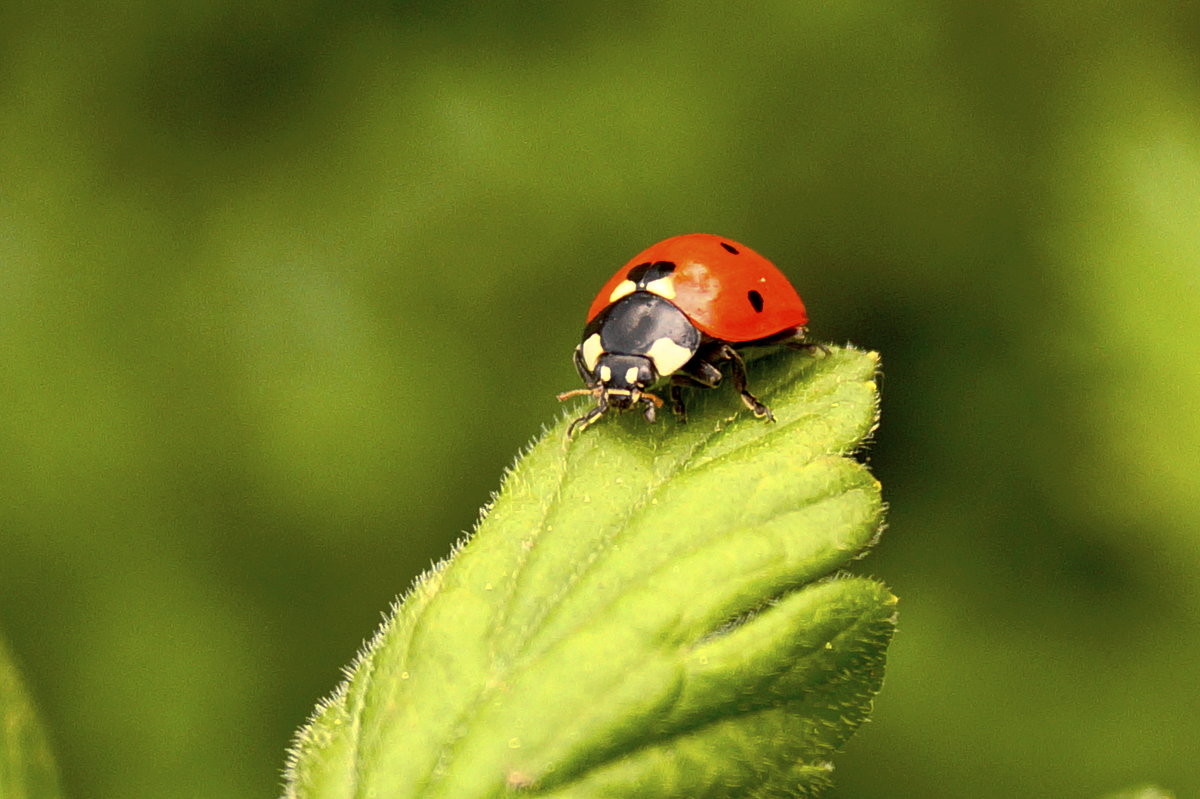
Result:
729,248
756,300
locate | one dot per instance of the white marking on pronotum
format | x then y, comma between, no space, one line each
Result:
605,373
623,288
631,374
591,351
663,287
668,356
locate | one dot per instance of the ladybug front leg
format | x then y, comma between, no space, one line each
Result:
738,368
581,367
696,372
585,421
649,407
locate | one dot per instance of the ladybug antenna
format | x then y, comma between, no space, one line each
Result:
598,390
579,392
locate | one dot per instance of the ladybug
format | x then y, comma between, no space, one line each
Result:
678,310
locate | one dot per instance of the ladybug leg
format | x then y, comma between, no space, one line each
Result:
649,410
811,347
797,342
582,369
677,406
697,372
585,421
738,368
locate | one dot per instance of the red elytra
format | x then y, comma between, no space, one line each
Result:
726,289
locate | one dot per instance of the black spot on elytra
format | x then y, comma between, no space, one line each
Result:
648,272
636,273
756,300
729,248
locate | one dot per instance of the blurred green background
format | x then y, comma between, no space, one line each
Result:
284,287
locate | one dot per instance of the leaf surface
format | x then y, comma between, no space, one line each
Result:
27,768
649,610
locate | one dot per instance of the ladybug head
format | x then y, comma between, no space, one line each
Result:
618,381
622,379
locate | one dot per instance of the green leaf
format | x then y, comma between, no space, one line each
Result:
649,610
26,767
